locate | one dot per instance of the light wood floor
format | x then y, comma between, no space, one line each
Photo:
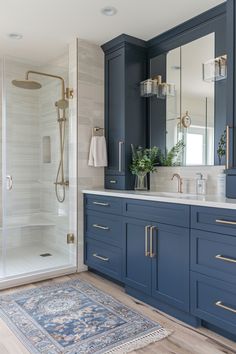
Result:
183,340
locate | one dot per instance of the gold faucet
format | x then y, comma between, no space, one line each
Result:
180,182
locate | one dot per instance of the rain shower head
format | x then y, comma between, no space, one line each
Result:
27,84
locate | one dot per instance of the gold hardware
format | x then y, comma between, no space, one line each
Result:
220,304
65,183
151,241
102,204
225,222
100,227
147,253
69,93
104,259
70,238
180,182
96,130
226,259
227,147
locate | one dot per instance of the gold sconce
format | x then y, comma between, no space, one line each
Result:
155,87
215,69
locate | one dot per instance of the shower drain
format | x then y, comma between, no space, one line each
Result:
45,255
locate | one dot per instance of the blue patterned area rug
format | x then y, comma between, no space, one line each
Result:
76,318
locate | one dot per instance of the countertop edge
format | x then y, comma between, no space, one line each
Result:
208,201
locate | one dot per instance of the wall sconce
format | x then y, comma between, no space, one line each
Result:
155,87
215,69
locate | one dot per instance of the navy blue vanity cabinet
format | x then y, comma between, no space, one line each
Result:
213,267
102,235
125,110
157,253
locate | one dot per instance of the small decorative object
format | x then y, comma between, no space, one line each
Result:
222,147
215,69
143,162
186,120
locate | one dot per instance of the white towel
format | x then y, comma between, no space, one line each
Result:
98,152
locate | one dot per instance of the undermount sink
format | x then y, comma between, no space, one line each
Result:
170,194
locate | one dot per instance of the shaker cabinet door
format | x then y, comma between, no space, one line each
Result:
170,265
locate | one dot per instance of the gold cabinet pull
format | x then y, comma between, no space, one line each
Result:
226,222
101,227
104,259
226,259
227,147
152,254
102,204
221,305
147,253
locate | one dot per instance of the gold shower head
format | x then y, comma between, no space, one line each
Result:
27,84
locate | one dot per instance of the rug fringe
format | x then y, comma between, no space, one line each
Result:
140,342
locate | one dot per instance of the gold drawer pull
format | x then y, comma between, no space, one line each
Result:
147,253
220,304
101,227
104,259
102,204
219,221
226,259
152,254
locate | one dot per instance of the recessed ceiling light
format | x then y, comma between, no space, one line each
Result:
15,35
109,11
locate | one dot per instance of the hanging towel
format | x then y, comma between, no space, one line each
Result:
98,152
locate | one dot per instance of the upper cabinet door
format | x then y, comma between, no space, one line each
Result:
170,265
115,110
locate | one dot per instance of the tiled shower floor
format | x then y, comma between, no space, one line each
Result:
26,260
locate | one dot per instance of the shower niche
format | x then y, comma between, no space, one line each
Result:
38,142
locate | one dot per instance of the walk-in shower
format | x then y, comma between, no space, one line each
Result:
38,231
61,105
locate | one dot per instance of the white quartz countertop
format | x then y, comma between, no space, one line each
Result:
207,200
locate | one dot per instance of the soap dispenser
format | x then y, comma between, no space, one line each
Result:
200,184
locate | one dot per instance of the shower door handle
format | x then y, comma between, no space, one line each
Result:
9,182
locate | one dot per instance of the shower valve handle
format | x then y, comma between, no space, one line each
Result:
9,182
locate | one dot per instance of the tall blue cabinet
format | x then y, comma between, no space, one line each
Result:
125,110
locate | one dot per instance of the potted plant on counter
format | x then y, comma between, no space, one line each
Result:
144,161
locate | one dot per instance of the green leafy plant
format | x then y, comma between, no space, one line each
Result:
173,156
144,160
221,151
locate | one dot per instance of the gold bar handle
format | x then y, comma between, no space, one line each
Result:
226,222
96,226
152,254
104,259
220,304
226,259
102,204
147,253
227,147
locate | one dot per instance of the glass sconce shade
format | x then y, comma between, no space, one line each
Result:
164,90
215,69
154,87
148,88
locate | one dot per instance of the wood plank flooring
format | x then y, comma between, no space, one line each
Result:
183,340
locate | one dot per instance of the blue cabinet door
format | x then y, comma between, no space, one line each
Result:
115,110
137,265
170,265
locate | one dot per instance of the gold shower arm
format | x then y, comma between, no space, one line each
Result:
49,75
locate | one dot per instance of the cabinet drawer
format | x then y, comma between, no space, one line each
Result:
214,301
103,227
214,219
104,258
103,203
214,254
115,182
166,213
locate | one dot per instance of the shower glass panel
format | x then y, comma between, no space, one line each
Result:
35,222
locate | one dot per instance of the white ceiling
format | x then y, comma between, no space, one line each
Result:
49,25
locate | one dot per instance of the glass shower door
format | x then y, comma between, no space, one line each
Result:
35,224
